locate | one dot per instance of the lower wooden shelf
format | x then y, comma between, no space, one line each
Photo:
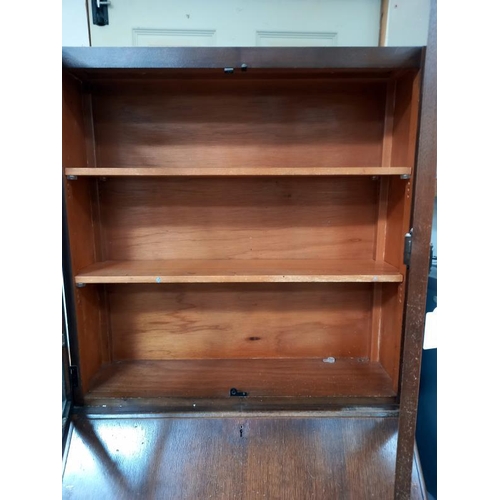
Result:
261,378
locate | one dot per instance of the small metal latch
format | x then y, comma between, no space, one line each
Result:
228,70
407,250
235,392
73,376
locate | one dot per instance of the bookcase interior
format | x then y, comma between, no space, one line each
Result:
241,230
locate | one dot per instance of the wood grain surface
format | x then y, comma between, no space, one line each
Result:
233,171
230,124
96,60
380,406
380,236
152,147
190,321
399,202
419,270
247,218
234,458
239,271
261,378
81,201
406,111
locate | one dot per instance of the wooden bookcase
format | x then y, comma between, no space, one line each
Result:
236,218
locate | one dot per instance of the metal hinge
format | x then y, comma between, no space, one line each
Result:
73,376
408,245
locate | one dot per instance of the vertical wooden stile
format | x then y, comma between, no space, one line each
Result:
419,269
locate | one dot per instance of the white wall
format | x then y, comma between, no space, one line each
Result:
407,23
74,24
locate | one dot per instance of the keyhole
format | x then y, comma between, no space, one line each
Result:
241,431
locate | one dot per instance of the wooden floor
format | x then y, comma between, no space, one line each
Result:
233,458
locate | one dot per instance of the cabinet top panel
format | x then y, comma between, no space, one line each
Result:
241,59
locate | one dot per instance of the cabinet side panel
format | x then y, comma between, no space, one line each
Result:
406,107
81,206
393,296
231,122
390,331
154,322
398,219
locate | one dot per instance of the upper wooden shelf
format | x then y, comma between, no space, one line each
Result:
230,171
239,271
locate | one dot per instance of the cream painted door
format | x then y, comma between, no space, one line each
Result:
238,23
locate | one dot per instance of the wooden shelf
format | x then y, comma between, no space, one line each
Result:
234,172
239,271
259,377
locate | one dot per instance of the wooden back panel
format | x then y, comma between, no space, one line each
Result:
275,320
239,123
246,218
